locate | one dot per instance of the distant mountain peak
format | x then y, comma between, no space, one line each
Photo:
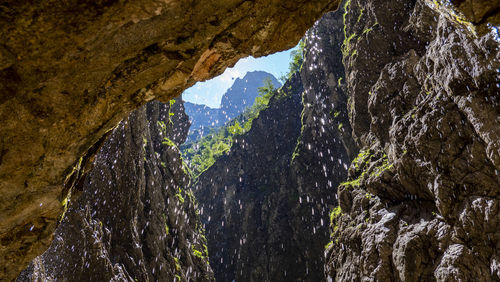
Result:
238,97
243,92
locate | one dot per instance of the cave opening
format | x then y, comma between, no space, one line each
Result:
374,157
242,191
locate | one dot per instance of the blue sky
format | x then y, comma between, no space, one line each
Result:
210,92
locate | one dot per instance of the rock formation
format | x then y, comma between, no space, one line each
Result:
245,197
135,219
266,203
422,199
71,70
243,92
418,94
202,118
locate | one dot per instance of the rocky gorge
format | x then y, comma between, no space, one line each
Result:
71,70
240,96
266,203
388,134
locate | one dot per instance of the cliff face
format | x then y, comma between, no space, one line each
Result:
135,219
266,203
418,95
423,197
71,70
245,199
202,119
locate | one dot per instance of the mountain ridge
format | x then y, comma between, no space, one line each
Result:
236,99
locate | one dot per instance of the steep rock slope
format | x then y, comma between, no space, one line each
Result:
71,70
243,92
246,200
423,197
238,97
134,219
266,203
325,146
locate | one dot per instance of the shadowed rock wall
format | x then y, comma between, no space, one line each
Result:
423,196
245,195
266,203
135,220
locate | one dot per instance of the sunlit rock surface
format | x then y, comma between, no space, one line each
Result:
266,203
71,70
135,220
422,202
203,118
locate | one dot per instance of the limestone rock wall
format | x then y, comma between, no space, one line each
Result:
422,199
135,219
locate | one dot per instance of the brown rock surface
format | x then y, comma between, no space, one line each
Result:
71,70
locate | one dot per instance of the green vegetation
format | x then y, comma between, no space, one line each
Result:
170,114
360,15
166,141
177,265
202,154
296,61
297,58
327,246
334,215
169,143
74,169
197,253
65,203
361,158
346,45
361,163
200,254
167,230
380,169
179,196
347,39
369,29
